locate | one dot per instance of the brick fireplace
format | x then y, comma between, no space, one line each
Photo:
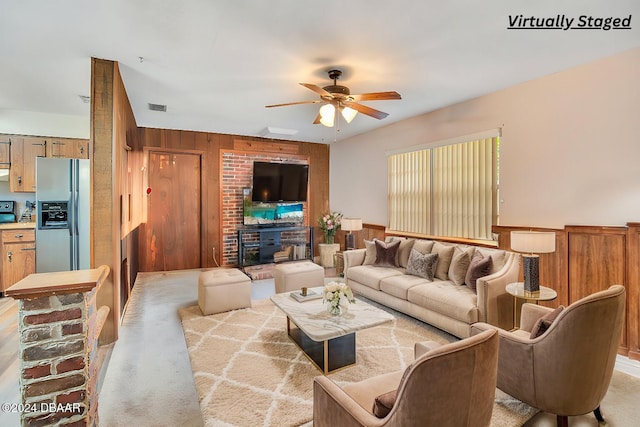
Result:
236,175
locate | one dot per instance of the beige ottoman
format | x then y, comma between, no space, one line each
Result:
293,276
223,289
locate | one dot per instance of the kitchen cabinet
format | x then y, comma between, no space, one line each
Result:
18,153
18,255
68,148
24,150
5,145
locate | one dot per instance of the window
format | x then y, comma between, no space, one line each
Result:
450,189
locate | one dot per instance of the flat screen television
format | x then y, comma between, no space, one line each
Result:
279,182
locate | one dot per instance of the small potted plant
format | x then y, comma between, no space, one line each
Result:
329,224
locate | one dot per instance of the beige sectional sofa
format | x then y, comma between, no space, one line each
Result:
444,302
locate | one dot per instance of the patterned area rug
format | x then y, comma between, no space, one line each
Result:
248,373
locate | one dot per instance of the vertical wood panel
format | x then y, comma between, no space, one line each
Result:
104,202
633,288
597,260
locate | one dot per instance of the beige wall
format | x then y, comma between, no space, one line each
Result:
44,124
570,148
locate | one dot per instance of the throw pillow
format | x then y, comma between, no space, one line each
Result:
383,403
370,255
386,253
423,246
422,265
402,256
460,264
445,253
480,266
543,323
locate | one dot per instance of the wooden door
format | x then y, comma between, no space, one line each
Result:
172,232
23,163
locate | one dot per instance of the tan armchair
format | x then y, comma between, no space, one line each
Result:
451,385
565,371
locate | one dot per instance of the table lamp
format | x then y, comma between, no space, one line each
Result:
349,225
531,243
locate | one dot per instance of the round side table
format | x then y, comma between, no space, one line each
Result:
517,290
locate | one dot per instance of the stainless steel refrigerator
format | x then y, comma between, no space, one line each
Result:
63,210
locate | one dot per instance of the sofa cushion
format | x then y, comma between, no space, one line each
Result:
480,266
543,323
386,253
422,265
445,253
460,264
447,298
423,246
398,286
370,275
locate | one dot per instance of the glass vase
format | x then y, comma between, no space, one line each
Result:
338,307
328,239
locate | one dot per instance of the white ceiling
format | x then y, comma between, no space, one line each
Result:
217,63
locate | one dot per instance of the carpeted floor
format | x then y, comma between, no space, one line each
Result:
248,372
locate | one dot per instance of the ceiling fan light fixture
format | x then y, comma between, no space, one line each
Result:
327,115
348,113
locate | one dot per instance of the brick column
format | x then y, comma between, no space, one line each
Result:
59,324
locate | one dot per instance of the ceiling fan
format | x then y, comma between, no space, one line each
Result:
336,98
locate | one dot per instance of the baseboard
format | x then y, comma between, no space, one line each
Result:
628,366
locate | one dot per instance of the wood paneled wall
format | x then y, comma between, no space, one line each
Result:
589,259
210,145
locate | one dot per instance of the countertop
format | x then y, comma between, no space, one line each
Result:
17,225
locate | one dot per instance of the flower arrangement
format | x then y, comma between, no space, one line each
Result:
330,224
334,293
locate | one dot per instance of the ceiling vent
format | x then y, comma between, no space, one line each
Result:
157,107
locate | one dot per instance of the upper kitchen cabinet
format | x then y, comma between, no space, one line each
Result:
24,150
5,144
68,148
18,154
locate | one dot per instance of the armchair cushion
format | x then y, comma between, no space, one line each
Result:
543,323
383,403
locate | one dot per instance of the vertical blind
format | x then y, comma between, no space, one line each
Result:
450,190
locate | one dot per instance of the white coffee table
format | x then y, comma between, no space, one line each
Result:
328,341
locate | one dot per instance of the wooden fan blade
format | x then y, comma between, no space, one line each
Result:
317,89
317,120
293,103
376,96
367,110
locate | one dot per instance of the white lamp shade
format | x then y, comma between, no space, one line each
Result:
327,115
533,242
351,224
348,113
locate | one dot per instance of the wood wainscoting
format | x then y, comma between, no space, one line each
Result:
589,259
